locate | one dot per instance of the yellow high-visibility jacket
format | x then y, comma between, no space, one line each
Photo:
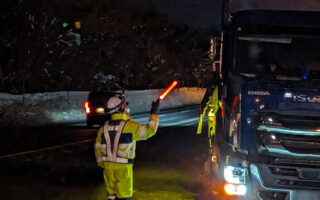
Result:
116,140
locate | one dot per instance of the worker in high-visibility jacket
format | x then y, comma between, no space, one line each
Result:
116,144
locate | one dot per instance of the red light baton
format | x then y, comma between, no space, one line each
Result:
168,90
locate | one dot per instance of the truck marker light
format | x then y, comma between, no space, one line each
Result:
168,90
222,111
214,159
87,107
249,120
257,100
235,101
214,68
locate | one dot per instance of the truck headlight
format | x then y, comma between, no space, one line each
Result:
236,175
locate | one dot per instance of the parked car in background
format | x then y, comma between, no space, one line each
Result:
95,107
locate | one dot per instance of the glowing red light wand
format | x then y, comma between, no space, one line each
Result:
167,91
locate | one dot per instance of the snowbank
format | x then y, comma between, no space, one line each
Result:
67,107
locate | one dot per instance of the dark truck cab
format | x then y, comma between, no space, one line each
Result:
267,144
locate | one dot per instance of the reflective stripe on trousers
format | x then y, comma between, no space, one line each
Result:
114,197
111,197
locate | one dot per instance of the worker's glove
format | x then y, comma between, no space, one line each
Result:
155,107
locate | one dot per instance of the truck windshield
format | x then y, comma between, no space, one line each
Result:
292,56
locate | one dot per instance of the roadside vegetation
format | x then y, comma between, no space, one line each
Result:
95,45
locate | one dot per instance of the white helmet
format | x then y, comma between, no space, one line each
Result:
114,104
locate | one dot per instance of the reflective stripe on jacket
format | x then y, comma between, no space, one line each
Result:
116,140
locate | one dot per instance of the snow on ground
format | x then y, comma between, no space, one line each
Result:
67,107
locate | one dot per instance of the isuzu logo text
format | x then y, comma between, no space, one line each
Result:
306,98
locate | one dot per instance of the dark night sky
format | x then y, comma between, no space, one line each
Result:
306,5
195,13
207,13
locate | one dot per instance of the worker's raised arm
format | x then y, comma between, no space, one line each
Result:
145,131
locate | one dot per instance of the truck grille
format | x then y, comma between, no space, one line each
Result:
284,171
301,146
290,137
304,184
292,143
297,162
294,121
290,177
295,152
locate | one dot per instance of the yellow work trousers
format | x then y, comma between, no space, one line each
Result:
118,179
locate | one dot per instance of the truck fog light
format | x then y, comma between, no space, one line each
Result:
242,189
232,189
